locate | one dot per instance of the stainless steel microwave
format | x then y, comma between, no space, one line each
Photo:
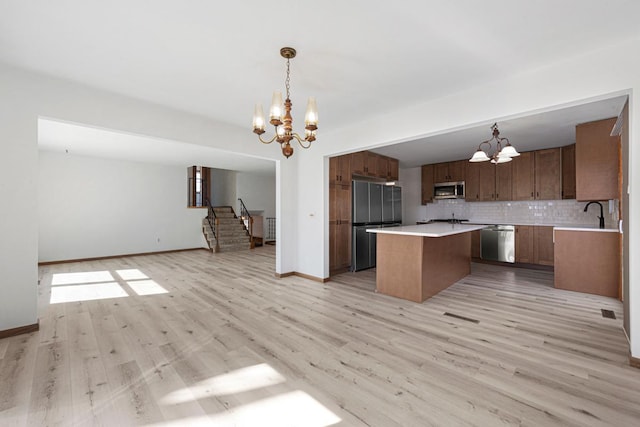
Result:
449,190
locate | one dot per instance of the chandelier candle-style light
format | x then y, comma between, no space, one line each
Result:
500,155
282,122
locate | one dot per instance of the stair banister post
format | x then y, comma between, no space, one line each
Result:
217,223
253,243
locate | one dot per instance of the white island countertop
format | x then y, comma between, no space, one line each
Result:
437,229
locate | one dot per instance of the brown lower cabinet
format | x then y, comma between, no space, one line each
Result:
543,245
475,244
524,244
534,244
588,261
340,246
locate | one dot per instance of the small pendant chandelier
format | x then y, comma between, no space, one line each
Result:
282,123
500,155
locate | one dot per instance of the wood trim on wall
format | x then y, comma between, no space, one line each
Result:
634,362
64,261
20,330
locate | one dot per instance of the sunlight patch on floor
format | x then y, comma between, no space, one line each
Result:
295,408
87,292
131,274
94,285
238,381
82,277
147,287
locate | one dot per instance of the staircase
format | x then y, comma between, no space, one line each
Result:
231,233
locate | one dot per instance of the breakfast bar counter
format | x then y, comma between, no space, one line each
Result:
416,262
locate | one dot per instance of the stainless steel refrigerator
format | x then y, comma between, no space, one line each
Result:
374,205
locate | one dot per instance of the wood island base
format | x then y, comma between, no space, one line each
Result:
416,267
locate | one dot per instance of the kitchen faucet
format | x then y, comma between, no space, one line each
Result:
601,217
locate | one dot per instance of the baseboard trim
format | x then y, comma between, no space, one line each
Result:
304,276
20,330
65,261
634,362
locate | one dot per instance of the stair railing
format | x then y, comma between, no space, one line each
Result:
213,220
247,220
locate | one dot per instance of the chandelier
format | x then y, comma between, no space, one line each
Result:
282,123
500,155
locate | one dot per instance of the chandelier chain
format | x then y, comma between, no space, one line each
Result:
287,80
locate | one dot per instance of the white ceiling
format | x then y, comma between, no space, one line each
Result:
544,130
359,58
79,140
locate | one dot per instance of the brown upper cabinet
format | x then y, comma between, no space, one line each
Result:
547,174
523,174
481,182
340,170
427,184
533,175
472,182
449,171
504,181
366,163
383,166
372,164
597,161
359,163
569,172
393,168
487,181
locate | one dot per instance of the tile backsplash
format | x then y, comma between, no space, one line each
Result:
541,212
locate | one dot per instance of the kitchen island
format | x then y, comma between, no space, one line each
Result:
416,262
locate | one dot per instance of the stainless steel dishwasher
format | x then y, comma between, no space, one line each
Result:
498,243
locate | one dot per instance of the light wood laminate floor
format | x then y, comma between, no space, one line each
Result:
195,338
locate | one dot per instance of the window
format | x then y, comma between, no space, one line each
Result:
198,179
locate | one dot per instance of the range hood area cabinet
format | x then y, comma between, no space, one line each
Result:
537,175
534,175
597,161
487,182
449,171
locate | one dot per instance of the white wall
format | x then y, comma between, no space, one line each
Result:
90,207
26,96
223,188
258,192
411,181
18,215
